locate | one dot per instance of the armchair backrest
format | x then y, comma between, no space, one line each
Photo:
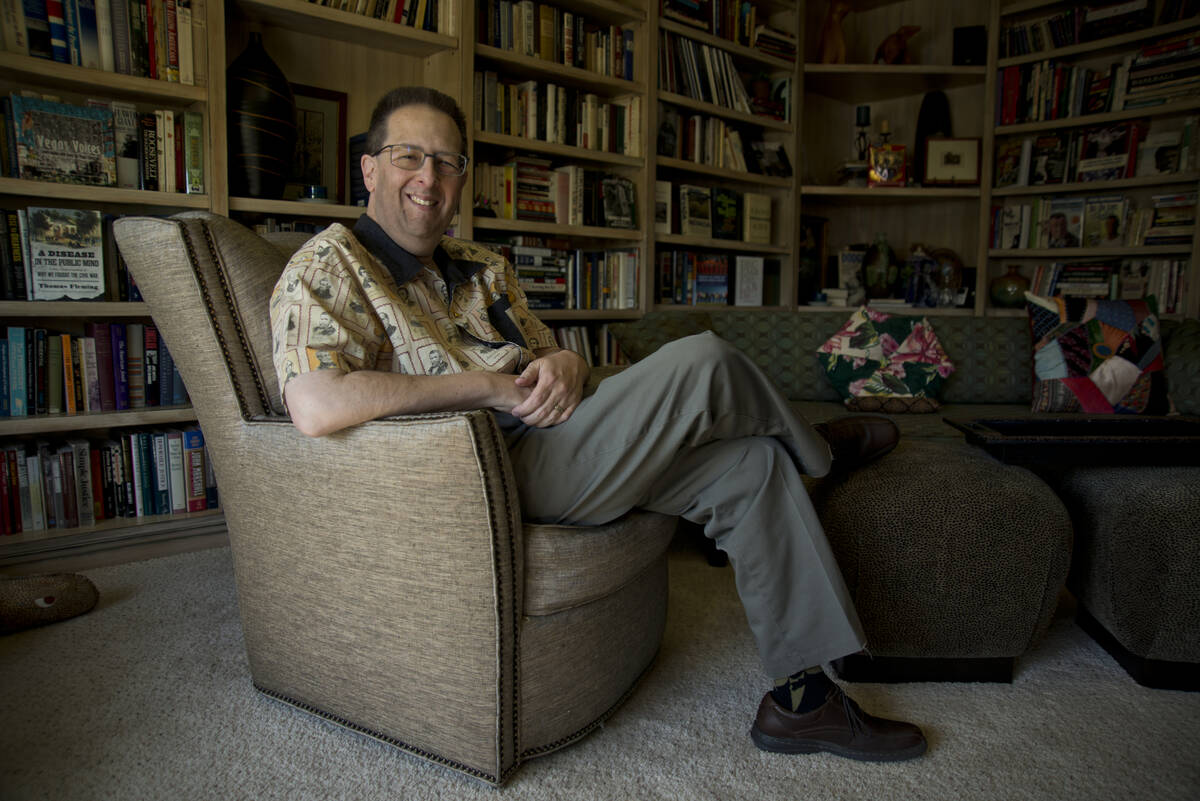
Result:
207,276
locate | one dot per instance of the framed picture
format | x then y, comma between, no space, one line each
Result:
320,145
951,162
888,165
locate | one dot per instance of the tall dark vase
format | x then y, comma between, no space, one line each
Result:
262,124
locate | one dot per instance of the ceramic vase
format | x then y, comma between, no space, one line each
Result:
262,124
1008,291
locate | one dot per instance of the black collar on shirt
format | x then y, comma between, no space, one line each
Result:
403,265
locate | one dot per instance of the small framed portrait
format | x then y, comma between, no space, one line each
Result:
951,161
320,146
888,165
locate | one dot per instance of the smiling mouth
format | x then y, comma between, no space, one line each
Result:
422,202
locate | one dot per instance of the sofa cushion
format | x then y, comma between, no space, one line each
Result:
639,338
1097,356
876,354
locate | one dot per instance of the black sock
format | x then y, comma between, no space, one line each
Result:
803,691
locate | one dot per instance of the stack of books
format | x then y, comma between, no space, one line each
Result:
1173,221
1165,72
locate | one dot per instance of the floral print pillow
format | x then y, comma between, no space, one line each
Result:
878,355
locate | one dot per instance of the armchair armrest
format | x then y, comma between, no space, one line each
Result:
384,582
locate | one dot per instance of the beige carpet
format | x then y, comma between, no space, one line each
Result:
148,697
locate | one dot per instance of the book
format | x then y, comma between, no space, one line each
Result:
726,213
619,202
66,254
194,470
1104,220
712,280
770,158
1008,163
663,207
695,210
1049,158
1158,153
192,148
756,218
63,143
748,277
126,143
1064,223
18,382
135,364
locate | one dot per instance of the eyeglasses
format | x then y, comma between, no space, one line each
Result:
407,157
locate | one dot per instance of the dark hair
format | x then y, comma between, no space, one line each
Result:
412,96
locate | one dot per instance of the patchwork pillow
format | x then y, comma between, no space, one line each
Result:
1097,356
878,355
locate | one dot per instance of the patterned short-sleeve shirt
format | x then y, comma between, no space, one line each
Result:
355,300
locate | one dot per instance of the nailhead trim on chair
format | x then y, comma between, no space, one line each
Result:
237,327
432,757
212,315
476,424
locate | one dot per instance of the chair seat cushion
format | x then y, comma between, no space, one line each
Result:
568,566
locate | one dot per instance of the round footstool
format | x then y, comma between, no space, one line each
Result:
954,560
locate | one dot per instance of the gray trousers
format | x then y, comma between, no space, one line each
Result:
696,430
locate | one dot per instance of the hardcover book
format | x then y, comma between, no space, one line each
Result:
771,159
1104,218
66,254
756,218
63,143
695,210
726,213
127,147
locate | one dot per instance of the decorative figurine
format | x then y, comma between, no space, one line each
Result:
833,40
894,49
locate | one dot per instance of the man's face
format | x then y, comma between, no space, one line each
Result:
414,207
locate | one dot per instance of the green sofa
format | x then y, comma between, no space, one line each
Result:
955,559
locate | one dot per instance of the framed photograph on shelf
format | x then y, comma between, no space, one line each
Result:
320,145
951,162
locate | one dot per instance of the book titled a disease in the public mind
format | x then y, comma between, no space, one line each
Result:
66,254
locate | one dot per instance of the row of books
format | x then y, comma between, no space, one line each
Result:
529,188
554,274
79,482
701,72
559,115
714,212
62,254
697,278
1109,220
714,142
1086,23
1164,72
543,31
110,367
600,349
735,20
1163,279
161,39
427,15
103,143
1103,153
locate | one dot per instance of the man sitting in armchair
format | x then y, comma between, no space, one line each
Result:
393,317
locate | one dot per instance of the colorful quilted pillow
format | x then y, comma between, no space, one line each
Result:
877,355
1097,356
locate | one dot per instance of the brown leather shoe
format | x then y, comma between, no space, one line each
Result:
838,727
858,439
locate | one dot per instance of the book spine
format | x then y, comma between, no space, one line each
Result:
147,149
120,364
193,152
55,12
193,465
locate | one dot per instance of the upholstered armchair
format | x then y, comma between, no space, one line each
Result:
385,579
